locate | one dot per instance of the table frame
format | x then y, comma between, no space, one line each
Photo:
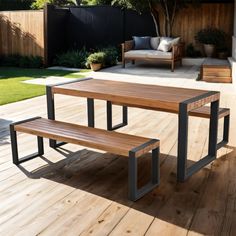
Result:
183,172
51,109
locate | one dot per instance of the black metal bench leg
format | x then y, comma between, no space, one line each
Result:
109,117
14,147
90,110
182,171
225,139
134,192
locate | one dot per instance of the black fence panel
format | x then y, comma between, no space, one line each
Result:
94,26
136,24
56,21
91,27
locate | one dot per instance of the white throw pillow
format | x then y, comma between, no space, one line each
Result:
166,43
154,42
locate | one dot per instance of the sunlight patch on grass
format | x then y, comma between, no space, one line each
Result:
12,89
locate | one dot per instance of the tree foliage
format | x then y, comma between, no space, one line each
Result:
169,8
39,4
7,5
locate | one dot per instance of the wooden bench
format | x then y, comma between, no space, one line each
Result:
122,144
203,112
216,71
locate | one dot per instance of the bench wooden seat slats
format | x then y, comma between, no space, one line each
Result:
117,143
113,142
204,112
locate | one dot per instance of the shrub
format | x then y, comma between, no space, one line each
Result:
111,56
192,52
36,62
10,60
96,58
39,4
6,5
75,59
21,61
210,36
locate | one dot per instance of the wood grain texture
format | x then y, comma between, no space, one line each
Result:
137,95
113,142
22,32
78,191
194,18
216,74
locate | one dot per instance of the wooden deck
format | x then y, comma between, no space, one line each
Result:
80,191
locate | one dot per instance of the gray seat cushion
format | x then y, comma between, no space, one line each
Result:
149,54
137,53
159,54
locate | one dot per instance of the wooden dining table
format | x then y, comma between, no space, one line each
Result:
152,97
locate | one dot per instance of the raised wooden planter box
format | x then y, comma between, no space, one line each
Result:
216,71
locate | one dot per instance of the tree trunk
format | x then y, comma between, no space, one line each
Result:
155,16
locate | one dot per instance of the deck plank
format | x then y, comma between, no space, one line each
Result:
85,191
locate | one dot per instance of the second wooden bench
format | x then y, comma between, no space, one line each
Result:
127,145
202,112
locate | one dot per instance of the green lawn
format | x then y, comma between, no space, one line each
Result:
12,89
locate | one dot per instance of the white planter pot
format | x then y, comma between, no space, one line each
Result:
209,49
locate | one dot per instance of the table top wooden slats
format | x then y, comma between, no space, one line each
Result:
138,95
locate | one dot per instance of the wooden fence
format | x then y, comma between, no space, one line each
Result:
22,32
194,18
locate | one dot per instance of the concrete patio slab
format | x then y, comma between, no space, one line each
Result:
185,76
49,80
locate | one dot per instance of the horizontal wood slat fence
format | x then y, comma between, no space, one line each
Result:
194,18
22,32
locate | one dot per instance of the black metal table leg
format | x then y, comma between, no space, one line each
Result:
182,142
51,107
51,114
109,117
182,171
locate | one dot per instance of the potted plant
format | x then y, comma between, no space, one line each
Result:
96,60
210,38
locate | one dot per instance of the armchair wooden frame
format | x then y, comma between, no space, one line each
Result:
177,55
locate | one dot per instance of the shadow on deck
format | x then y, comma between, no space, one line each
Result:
4,131
105,175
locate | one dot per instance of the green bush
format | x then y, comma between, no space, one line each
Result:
192,52
39,4
10,60
210,36
7,5
80,58
75,59
111,56
21,61
96,58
